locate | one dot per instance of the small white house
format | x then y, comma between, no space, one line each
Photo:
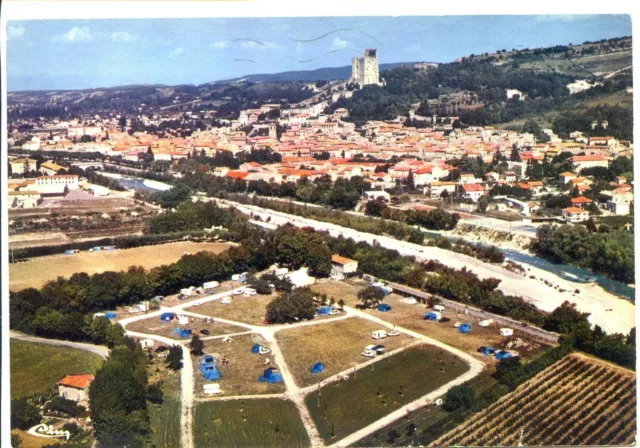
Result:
506,332
75,387
377,195
342,267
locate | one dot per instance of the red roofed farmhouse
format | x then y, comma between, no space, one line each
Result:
75,387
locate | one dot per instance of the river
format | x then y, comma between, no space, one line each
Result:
566,271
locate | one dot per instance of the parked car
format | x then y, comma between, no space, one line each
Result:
204,332
368,353
393,333
378,349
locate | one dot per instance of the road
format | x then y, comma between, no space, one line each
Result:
99,350
543,289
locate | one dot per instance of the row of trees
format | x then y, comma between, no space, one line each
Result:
611,253
436,219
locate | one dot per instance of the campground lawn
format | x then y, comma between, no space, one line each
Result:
240,375
249,423
344,407
165,423
36,367
154,325
338,345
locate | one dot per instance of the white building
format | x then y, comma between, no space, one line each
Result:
75,387
57,184
342,267
575,214
620,202
364,71
21,166
377,194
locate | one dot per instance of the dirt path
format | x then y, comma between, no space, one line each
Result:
99,350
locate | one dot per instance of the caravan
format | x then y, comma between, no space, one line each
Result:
379,334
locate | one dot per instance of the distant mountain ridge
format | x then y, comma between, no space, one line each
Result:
320,74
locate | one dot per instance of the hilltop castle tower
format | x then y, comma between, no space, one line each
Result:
364,70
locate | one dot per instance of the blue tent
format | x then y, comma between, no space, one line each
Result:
177,330
255,348
431,316
317,368
503,355
185,333
271,375
488,351
209,372
207,359
167,316
111,315
464,328
384,307
325,309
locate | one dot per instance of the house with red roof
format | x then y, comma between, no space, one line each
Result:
574,214
75,387
472,191
581,162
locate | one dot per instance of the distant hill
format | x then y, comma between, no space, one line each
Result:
320,74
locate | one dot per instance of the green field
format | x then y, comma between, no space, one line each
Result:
249,423
430,422
165,423
347,406
35,367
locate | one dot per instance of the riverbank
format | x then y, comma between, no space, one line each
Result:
544,289
484,235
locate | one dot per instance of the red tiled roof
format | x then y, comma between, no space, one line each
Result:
587,159
341,260
473,187
77,381
237,174
574,210
581,200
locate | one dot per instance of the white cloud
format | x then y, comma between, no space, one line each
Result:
413,48
15,31
257,44
281,27
122,36
77,34
339,44
219,44
177,51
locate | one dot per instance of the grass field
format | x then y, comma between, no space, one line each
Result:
240,375
577,401
347,406
338,345
249,423
411,317
250,310
154,325
35,367
37,271
29,441
427,420
165,423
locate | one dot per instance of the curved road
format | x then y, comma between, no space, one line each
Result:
99,350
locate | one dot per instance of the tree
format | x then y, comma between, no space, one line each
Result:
291,307
515,154
154,393
196,345
174,357
371,296
24,414
375,208
460,397
483,203
16,440
567,319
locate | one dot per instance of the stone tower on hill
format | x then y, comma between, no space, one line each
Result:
364,71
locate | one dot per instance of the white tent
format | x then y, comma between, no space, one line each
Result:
183,320
506,332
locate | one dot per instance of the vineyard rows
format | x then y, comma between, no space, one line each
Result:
576,401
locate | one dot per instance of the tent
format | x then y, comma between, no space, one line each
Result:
255,348
111,314
209,372
271,375
317,368
488,351
177,330
69,252
207,359
185,333
384,307
464,328
167,316
432,315
503,355
325,310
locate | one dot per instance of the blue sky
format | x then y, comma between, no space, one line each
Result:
73,54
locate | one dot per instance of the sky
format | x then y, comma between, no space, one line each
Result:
77,54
